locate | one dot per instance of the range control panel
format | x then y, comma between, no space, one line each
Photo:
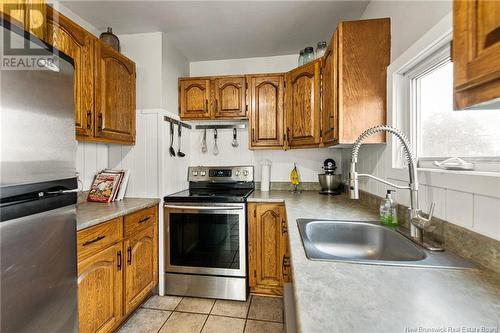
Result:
222,174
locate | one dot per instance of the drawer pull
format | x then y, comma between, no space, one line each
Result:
93,240
144,219
119,256
129,255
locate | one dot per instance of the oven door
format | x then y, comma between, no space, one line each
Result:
208,239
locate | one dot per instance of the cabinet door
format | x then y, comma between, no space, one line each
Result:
100,283
266,111
230,97
114,96
76,42
476,52
364,54
140,270
329,94
303,100
194,99
267,248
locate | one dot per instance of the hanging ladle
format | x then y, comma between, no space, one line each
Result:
234,143
216,148
179,133
171,150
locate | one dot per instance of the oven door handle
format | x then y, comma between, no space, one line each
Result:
204,207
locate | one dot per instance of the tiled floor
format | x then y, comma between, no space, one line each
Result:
171,314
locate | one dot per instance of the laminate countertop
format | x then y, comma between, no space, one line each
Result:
348,297
89,214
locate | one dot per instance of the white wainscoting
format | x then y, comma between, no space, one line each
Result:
90,158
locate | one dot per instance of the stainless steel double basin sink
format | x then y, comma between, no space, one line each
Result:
368,243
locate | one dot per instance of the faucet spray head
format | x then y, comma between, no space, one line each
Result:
353,183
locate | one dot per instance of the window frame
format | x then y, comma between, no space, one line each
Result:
398,88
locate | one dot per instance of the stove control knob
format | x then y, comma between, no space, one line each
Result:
203,173
195,173
245,173
237,173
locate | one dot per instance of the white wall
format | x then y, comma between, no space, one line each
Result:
277,64
309,161
472,202
409,19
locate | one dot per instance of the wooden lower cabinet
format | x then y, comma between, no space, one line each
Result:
139,271
115,275
100,285
268,255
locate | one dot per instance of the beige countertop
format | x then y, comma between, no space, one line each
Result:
347,297
91,213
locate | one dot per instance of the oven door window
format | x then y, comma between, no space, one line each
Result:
204,240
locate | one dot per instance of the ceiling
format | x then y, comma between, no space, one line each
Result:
211,30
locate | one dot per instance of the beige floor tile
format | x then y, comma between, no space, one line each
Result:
162,302
196,305
145,321
231,308
256,326
216,324
181,322
266,308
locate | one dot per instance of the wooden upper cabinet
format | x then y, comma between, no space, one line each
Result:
303,106
28,14
329,96
76,42
140,267
194,98
230,97
114,96
100,283
476,52
268,248
363,54
266,98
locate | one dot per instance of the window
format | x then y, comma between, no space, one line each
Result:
437,131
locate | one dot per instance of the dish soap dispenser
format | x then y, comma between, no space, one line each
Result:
388,212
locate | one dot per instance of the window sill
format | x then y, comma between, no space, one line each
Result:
459,172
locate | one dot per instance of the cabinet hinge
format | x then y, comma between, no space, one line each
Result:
246,107
320,133
255,213
246,85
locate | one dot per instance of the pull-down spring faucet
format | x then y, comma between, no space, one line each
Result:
417,221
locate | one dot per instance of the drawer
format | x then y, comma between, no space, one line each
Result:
96,238
140,220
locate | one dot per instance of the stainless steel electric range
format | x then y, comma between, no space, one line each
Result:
205,234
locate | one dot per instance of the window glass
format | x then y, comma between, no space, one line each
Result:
443,132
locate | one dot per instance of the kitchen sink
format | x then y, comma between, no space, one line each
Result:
370,243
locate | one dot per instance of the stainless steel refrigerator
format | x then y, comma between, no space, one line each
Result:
38,282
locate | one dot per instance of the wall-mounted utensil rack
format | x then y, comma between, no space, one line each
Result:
177,122
221,126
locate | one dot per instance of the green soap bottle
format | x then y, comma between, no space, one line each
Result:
388,212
